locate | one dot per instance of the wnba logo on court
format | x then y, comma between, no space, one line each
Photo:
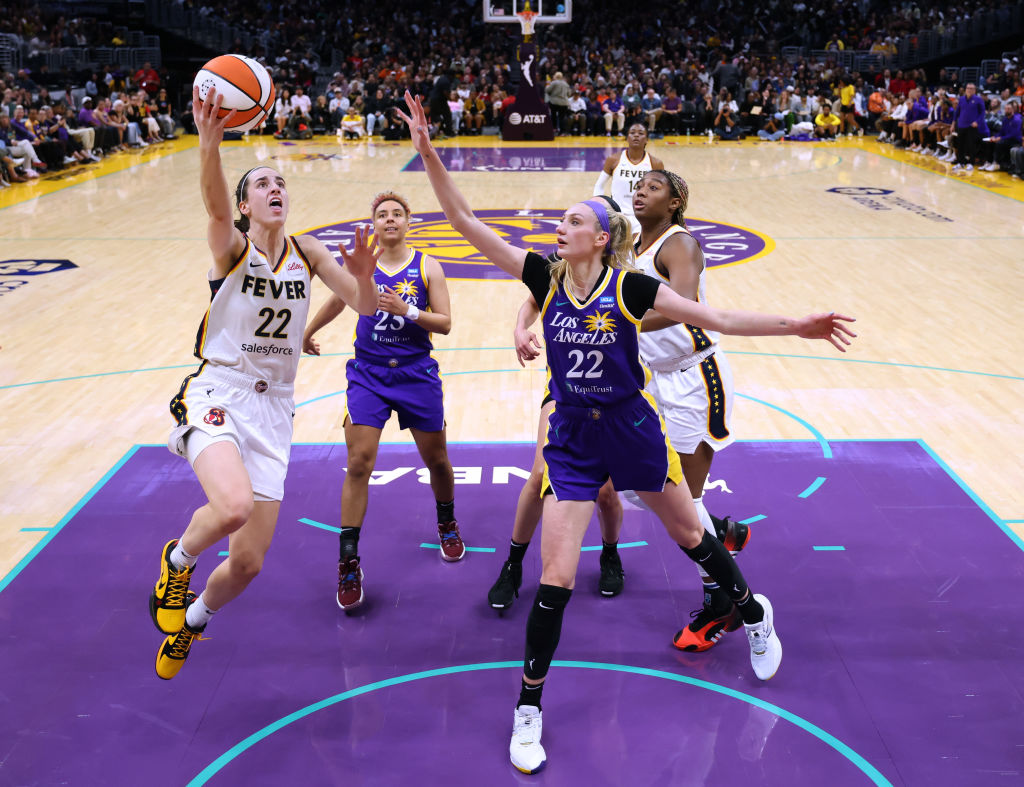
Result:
860,190
431,233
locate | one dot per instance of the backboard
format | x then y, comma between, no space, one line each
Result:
552,12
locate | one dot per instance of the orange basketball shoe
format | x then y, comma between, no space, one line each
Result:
706,629
734,535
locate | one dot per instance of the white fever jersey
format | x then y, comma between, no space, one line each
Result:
625,179
678,346
257,314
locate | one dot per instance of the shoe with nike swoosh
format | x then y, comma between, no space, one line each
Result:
168,600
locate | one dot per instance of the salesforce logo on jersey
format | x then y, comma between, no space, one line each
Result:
431,233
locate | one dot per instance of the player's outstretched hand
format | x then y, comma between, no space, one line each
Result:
362,261
416,120
827,326
209,126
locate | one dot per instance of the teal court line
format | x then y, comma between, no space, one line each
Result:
829,549
36,529
971,494
621,546
52,532
468,549
879,363
444,375
224,553
241,747
509,349
826,449
751,520
320,525
815,485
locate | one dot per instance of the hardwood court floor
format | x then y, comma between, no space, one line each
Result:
928,263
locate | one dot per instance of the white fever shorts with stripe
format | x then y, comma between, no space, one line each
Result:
696,403
222,404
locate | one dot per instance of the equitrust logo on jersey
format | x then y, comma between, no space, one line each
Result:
431,233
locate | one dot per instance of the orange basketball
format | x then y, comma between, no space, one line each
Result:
245,85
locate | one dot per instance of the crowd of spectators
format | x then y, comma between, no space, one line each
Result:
44,132
713,67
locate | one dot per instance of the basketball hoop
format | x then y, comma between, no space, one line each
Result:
526,21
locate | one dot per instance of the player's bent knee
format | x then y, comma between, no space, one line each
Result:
233,512
246,565
608,500
360,467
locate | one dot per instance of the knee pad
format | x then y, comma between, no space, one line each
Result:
543,629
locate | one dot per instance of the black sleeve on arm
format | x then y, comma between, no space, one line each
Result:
638,293
537,277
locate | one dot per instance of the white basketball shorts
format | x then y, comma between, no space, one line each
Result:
255,414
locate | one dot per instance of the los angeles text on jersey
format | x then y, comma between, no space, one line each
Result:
566,325
262,288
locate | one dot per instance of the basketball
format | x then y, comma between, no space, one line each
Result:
245,85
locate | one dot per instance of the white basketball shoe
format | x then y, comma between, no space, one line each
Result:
765,647
525,750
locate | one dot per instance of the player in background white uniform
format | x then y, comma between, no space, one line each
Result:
625,169
691,380
235,413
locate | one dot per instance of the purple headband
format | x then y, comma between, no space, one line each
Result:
602,216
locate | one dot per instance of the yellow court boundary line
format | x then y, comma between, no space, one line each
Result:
993,182
20,193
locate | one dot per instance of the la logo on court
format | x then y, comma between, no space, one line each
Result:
723,244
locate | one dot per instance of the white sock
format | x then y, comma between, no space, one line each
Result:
704,516
198,614
181,559
705,519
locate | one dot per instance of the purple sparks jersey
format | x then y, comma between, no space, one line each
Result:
382,337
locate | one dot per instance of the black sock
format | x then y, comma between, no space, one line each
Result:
530,695
716,599
609,549
712,556
349,542
516,552
445,512
543,628
751,609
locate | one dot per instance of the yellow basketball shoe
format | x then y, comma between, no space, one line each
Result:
167,602
175,648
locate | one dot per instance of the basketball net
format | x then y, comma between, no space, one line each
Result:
526,22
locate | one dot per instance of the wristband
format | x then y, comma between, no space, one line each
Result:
413,313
